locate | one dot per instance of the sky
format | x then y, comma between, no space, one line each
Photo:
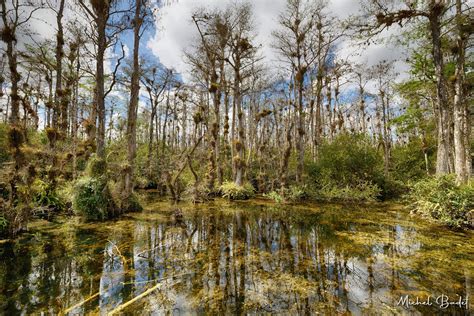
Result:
174,32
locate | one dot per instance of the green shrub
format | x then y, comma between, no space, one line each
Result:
131,204
232,191
46,196
361,191
296,193
349,159
4,149
441,199
92,199
3,225
348,168
408,161
391,188
292,194
275,196
96,167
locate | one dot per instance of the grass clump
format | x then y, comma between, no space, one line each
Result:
232,191
443,200
294,193
363,191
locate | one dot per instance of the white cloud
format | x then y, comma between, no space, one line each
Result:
176,32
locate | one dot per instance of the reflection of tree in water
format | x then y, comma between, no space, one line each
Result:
230,261
240,262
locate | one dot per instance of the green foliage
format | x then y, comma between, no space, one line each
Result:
296,193
349,168
441,199
350,158
232,191
408,161
4,151
3,225
275,196
360,191
96,167
131,204
92,199
292,194
46,196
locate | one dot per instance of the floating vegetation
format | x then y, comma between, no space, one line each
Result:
249,257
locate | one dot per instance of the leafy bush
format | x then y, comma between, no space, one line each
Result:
408,161
441,199
3,225
96,167
349,168
349,159
292,194
275,196
130,204
296,193
232,191
92,199
4,150
46,196
361,191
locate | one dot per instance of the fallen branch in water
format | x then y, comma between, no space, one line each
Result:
79,304
120,254
120,308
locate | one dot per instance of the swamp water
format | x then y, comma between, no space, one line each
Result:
239,258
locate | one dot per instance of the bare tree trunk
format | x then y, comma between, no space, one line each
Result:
60,106
442,106
74,113
132,109
150,134
460,119
240,144
99,93
386,133
9,39
301,131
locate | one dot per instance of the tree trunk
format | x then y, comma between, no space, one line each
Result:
442,106
460,119
132,109
100,94
301,131
60,106
9,39
240,144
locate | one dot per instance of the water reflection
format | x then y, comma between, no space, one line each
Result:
237,259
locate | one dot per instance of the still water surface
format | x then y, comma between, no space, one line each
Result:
238,258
